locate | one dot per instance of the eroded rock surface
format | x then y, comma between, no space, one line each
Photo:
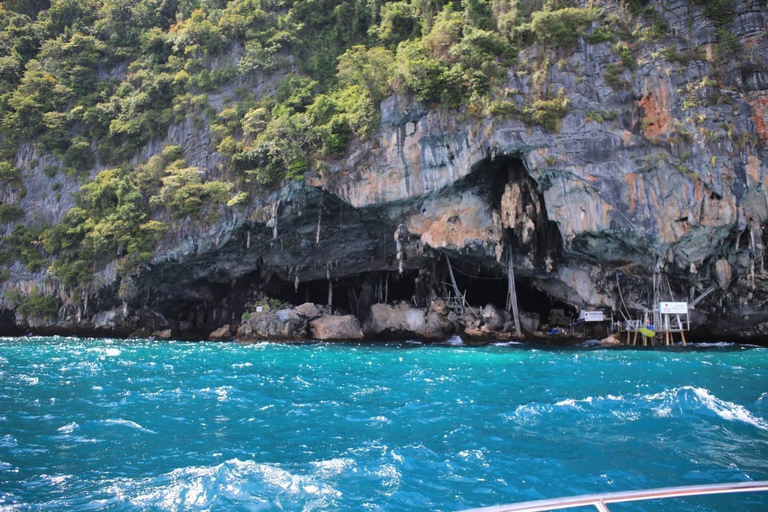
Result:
332,327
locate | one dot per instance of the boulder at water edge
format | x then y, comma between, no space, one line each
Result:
331,327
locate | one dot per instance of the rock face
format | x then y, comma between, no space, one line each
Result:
493,318
330,327
665,173
400,320
610,341
284,324
308,310
222,333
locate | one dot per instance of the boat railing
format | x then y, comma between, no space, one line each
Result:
601,501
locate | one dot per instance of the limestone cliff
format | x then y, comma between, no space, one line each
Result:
657,168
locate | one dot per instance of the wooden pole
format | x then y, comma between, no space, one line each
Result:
456,291
682,335
512,292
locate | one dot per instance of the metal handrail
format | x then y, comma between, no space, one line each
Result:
600,501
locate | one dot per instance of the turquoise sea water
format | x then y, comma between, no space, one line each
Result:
143,425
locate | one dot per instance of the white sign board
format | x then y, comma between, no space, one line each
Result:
673,308
592,316
259,309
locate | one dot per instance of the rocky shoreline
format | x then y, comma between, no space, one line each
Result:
385,323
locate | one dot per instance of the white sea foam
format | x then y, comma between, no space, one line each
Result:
454,341
8,441
31,381
729,410
689,397
333,467
112,352
68,428
128,423
227,484
665,404
507,343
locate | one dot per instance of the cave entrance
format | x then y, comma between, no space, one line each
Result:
352,294
509,190
489,286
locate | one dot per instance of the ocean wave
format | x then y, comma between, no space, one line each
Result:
454,341
8,441
507,343
693,398
68,428
665,404
127,423
333,467
232,483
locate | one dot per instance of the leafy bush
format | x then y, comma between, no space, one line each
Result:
35,304
549,113
399,22
184,193
721,12
10,213
9,173
24,245
561,28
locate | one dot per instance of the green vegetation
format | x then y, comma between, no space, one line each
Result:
561,27
683,57
34,303
652,25
600,116
97,80
266,303
10,213
721,12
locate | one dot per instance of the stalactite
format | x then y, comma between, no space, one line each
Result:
399,247
319,221
275,207
756,234
248,240
330,288
386,288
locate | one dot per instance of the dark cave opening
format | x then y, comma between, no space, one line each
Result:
505,178
489,286
351,294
